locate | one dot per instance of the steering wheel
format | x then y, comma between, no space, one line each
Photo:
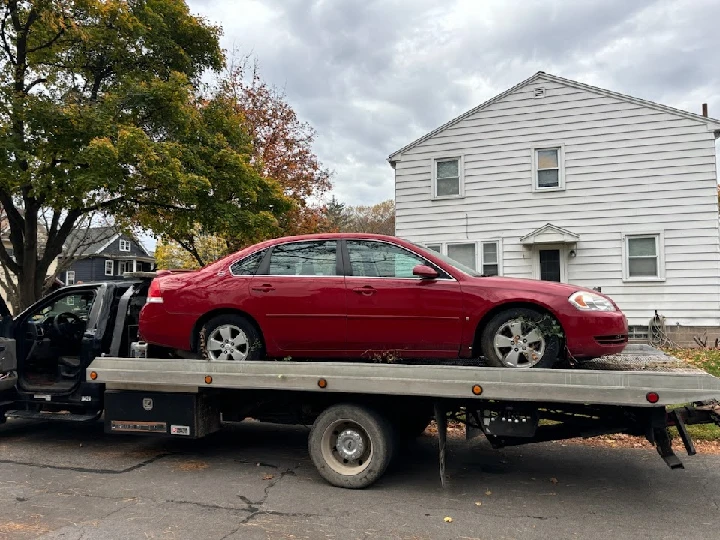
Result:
67,322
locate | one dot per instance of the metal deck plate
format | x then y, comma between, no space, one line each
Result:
542,385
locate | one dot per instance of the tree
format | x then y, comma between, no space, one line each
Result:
377,219
281,143
170,255
336,216
99,112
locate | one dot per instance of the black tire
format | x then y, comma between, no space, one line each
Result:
528,316
377,438
236,324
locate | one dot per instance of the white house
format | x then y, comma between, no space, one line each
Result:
558,180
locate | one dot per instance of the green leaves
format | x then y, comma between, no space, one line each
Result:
101,110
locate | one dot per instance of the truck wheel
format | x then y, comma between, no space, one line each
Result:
230,337
350,445
514,338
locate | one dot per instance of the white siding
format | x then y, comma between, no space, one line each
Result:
628,169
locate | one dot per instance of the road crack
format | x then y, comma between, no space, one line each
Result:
86,469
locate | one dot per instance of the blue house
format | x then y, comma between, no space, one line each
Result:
104,254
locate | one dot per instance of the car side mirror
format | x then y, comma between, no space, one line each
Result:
424,272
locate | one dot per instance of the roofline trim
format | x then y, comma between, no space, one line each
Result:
560,80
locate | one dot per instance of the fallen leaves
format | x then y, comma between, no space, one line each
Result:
478,503
554,480
448,519
193,465
268,477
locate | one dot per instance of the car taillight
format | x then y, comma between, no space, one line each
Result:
154,293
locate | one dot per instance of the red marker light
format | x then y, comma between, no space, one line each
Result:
652,397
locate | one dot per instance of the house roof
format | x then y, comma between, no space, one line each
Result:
94,240
541,75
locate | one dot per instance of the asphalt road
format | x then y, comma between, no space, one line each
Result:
255,482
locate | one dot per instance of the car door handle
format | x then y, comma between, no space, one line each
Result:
367,290
264,288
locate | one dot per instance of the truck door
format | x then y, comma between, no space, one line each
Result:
8,357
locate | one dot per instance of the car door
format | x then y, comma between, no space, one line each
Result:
298,298
391,311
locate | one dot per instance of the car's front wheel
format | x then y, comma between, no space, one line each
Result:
521,338
230,337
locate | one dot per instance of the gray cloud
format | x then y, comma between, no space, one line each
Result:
373,75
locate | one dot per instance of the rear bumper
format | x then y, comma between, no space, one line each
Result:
159,327
597,334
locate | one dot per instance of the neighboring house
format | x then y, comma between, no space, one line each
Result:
557,180
103,254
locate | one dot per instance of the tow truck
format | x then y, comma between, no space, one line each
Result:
75,356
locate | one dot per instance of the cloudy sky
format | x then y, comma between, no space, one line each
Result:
373,75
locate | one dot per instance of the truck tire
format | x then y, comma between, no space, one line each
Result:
351,445
514,339
230,337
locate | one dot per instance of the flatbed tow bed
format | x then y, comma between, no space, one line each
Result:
360,411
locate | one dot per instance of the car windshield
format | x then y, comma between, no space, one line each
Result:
452,262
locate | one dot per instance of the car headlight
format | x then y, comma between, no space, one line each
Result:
585,301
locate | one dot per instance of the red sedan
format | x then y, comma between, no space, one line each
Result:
374,297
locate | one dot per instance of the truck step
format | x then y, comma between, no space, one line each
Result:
54,416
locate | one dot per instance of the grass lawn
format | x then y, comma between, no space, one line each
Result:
709,360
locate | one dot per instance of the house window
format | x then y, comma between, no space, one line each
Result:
124,245
70,277
447,177
463,253
490,266
434,247
548,173
109,266
124,266
643,257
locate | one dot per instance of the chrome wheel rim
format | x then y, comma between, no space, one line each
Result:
346,447
227,342
519,343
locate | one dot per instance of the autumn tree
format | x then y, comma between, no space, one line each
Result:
99,112
281,143
377,219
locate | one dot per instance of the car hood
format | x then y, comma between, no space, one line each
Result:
533,285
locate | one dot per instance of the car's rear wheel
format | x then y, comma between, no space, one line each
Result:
520,338
230,337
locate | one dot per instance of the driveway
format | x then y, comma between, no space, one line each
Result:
255,482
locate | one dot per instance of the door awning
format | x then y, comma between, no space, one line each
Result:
549,234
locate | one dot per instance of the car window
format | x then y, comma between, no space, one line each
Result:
379,259
304,259
249,265
78,304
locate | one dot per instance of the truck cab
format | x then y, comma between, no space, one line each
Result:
45,350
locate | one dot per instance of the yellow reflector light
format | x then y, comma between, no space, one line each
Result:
477,389
208,379
322,383
93,375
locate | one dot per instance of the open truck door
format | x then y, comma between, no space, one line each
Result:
8,355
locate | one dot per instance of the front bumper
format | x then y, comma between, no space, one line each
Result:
593,334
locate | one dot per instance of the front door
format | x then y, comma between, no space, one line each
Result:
550,265
391,312
298,299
